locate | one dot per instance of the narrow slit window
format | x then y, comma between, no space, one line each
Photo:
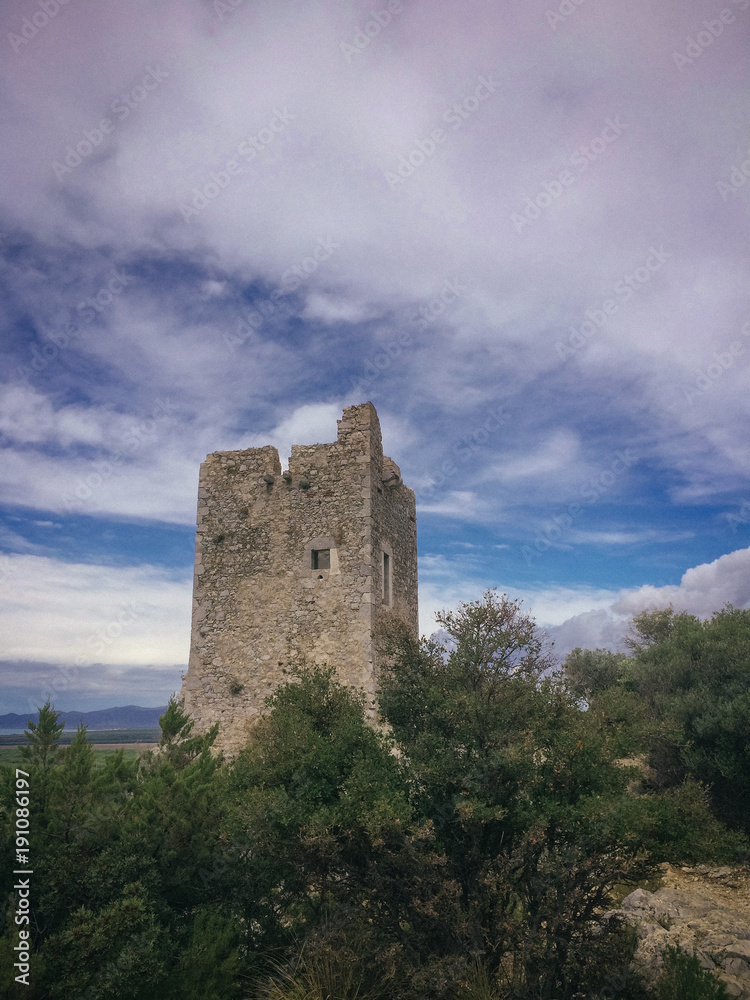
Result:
321,558
386,578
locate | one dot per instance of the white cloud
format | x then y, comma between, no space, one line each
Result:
628,537
559,452
330,309
443,583
323,174
16,542
214,289
587,616
632,380
453,503
153,483
599,629
702,590
59,612
28,417
311,423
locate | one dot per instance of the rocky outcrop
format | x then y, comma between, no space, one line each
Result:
704,910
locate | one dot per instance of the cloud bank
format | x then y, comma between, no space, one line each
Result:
520,230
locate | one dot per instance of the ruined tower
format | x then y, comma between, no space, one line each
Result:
296,568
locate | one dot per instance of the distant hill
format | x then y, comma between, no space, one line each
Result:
128,717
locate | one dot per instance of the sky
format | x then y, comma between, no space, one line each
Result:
520,230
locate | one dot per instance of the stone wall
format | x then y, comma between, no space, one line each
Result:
260,604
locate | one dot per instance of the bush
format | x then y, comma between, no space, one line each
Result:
677,825
684,979
465,849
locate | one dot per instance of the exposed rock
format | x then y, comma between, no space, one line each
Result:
704,910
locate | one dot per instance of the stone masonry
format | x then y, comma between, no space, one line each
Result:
296,568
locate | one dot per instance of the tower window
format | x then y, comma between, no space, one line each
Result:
321,558
386,578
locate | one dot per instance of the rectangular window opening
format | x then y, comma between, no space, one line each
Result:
386,578
321,558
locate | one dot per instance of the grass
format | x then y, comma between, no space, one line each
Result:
11,756
323,977
94,736
621,890
10,752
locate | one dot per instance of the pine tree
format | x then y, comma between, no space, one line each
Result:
41,755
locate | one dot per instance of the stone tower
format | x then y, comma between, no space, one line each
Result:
296,568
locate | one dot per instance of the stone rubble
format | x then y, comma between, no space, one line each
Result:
705,910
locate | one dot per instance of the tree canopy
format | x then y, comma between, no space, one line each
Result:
463,844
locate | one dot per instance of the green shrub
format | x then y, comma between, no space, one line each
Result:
684,979
677,825
208,962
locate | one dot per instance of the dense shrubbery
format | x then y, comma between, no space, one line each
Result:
462,849
682,699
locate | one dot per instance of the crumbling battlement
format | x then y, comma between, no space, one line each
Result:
296,568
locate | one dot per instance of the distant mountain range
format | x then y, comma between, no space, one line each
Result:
128,717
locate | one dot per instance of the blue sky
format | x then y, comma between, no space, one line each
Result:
520,230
